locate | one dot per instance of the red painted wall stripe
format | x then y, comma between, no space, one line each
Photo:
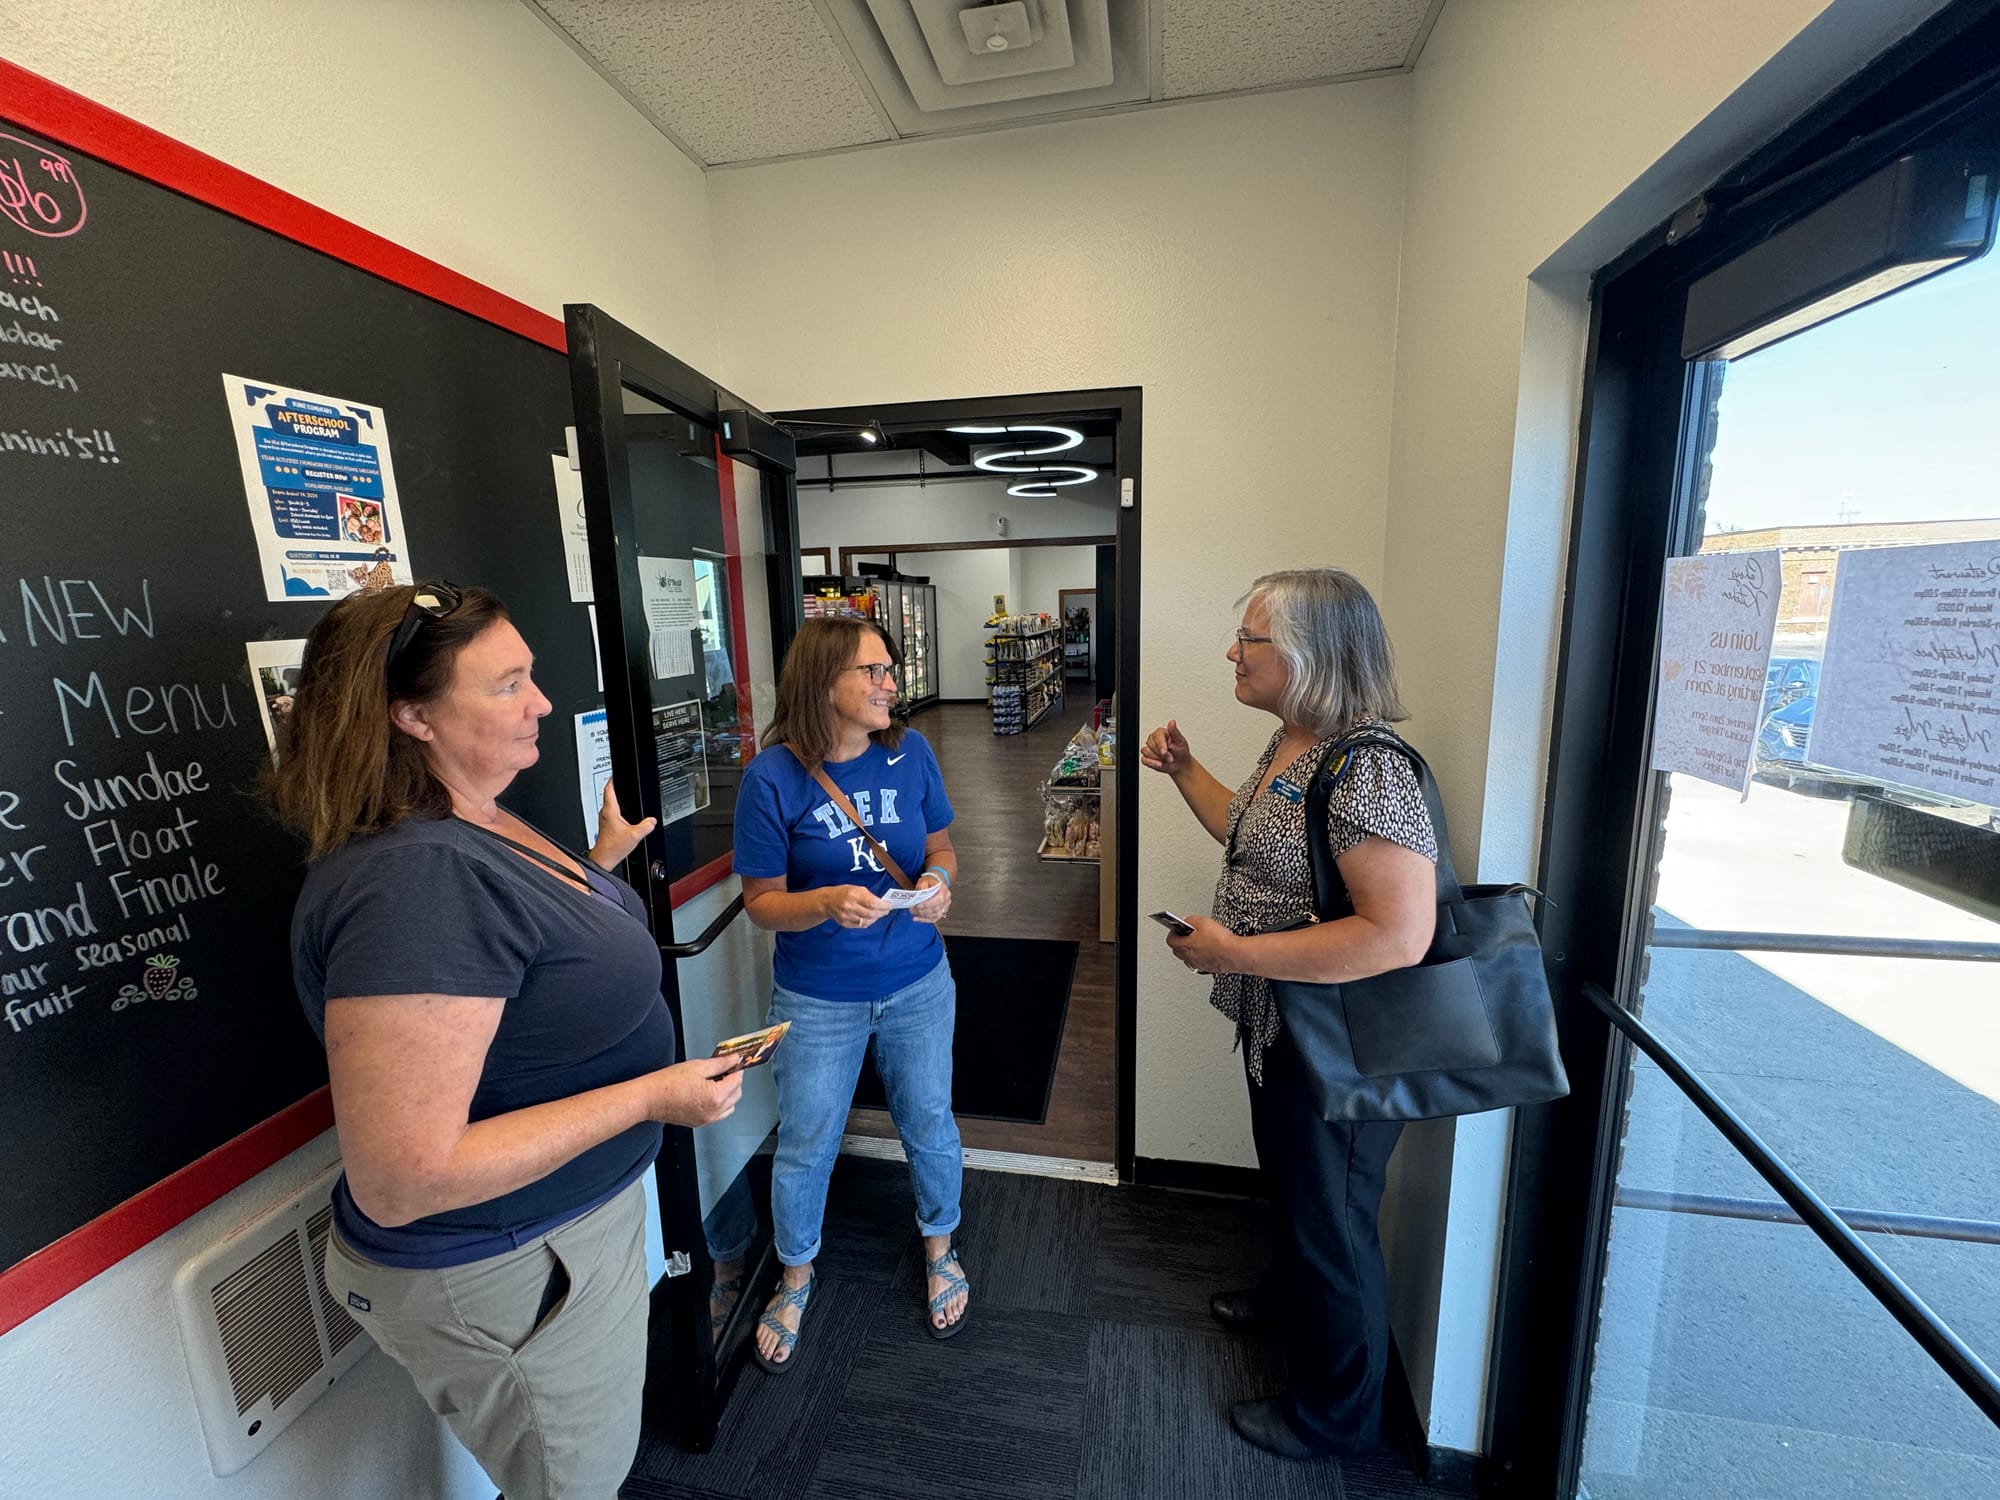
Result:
47,109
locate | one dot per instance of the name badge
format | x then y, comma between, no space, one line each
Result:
1289,789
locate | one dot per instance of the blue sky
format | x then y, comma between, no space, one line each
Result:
1892,411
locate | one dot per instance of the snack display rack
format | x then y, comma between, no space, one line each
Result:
1024,671
1073,796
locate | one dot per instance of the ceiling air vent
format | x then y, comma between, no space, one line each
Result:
952,55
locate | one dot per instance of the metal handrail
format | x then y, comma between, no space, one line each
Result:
708,934
1860,1220
1814,942
1967,1370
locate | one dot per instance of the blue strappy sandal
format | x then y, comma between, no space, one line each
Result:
788,1338
955,1283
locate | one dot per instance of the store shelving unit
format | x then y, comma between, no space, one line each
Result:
1024,674
1076,643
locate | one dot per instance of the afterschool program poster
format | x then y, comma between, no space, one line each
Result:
321,490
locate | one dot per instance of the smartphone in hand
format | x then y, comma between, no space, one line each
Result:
1174,924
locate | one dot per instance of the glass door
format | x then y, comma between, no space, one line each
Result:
1772,848
692,562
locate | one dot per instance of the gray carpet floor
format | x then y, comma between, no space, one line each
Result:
1090,1367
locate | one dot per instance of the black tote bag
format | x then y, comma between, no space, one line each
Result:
1469,1028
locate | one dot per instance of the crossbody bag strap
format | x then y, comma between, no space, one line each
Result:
818,773
1330,898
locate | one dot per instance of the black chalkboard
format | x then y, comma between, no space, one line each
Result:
129,586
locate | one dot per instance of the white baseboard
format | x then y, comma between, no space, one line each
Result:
1103,1172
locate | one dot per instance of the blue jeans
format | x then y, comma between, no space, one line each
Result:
816,1069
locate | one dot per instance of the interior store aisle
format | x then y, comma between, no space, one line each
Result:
1090,1367
995,784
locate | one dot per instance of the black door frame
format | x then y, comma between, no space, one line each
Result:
1126,405
1647,424
687,1386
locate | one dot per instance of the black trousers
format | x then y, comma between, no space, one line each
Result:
1327,1288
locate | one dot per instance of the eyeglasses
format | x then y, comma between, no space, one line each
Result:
878,671
1245,638
433,601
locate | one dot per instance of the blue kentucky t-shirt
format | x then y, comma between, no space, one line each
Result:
787,827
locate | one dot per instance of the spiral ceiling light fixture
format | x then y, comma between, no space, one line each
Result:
1044,481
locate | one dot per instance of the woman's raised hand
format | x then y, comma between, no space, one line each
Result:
1166,750
853,905
616,838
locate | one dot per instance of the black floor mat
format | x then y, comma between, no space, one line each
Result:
1013,997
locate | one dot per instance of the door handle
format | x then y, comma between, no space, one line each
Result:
708,934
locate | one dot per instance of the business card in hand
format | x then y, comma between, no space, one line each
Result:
916,897
754,1047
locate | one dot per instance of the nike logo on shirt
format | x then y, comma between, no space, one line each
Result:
894,758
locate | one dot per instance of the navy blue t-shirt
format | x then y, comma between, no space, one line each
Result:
438,906
787,827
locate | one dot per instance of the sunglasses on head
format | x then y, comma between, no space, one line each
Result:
432,601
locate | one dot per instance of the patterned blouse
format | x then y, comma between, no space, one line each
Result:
1266,880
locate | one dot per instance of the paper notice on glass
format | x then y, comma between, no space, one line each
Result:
898,897
1907,690
575,537
321,489
274,666
666,589
1715,649
682,759
593,768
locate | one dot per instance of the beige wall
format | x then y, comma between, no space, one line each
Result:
1237,259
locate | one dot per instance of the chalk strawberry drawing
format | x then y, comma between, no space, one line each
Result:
160,974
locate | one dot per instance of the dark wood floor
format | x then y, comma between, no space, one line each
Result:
1003,890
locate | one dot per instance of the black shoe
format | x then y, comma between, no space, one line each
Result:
1265,1424
1239,1312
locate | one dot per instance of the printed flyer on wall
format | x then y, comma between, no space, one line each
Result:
593,768
321,490
274,665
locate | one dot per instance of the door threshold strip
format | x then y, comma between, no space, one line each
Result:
992,1161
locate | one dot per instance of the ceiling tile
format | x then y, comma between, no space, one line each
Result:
737,80
1211,46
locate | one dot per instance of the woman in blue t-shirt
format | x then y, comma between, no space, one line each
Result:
499,1053
851,968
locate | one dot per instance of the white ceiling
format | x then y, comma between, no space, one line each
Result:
732,82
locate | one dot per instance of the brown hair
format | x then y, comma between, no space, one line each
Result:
344,769
819,653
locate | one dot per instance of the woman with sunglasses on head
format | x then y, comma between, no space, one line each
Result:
851,970
496,1040
1312,652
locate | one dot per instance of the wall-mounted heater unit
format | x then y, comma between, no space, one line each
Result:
263,1338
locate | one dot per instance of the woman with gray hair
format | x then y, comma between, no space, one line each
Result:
1312,651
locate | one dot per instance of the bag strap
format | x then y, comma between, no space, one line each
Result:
1330,898
818,773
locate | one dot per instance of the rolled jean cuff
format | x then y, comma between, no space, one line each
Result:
928,1230
806,1259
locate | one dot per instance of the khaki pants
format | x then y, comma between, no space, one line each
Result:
550,1408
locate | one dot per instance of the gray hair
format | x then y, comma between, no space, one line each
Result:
1327,628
